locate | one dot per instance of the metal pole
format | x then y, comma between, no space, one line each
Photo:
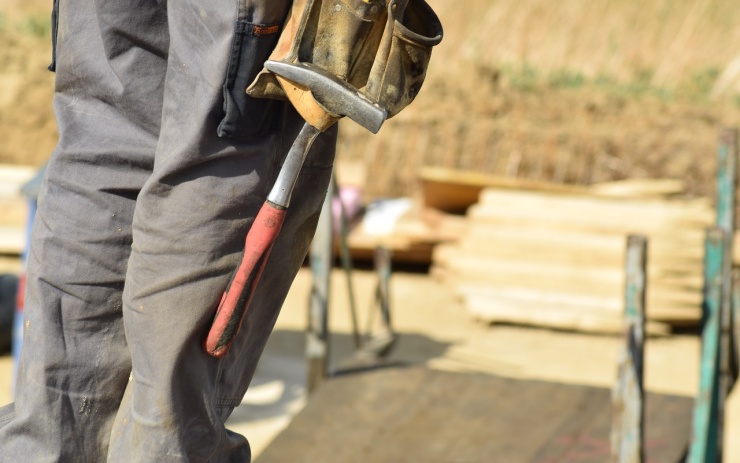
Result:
726,188
383,257
346,260
317,339
628,393
705,438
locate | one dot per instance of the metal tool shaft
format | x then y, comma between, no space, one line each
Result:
283,188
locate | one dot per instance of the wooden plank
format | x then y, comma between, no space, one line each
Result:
683,259
533,271
639,188
420,415
674,247
600,205
530,272
454,190
362,248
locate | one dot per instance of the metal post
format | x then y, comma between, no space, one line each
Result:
726,188
317,340
627,431
705,433
346,259
383,258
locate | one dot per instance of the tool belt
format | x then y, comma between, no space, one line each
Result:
382,50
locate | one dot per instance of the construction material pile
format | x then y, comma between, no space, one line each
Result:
556,258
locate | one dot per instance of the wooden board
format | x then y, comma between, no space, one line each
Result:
558,257
421,415
453,190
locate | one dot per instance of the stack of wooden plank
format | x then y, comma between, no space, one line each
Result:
556,258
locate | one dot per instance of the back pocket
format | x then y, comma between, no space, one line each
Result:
245,116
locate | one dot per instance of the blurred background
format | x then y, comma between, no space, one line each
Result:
605,114
619,88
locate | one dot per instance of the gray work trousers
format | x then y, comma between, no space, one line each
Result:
162,164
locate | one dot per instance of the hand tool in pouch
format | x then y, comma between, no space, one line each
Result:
361,59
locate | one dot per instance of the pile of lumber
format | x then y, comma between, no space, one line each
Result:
556,258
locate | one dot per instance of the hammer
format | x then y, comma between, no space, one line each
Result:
321,99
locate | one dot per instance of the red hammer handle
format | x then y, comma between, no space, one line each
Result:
238,295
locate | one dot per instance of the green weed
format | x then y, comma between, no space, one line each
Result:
524,78
566,78
699,84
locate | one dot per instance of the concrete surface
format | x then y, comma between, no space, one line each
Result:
437,332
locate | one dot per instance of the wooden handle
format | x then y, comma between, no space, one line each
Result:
235,300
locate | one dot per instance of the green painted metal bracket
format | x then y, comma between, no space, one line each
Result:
719,361
727,164
726,198
705,439
628,394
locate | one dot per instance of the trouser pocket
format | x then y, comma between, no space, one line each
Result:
54,27
246,116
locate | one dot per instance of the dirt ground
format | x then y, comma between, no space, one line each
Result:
568,121
437,332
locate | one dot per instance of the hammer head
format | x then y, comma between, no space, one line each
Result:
338,97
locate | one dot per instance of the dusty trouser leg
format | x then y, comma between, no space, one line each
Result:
189,227
75,363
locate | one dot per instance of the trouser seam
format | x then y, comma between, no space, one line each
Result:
217,425
226,402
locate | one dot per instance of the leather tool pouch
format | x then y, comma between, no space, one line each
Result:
382,50
402,59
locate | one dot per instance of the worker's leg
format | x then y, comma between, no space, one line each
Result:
111,58
189,227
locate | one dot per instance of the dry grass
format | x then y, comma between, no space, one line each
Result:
671,41
568,91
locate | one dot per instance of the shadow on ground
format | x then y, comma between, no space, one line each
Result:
279,385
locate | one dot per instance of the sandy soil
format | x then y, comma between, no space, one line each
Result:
436,331
471,114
